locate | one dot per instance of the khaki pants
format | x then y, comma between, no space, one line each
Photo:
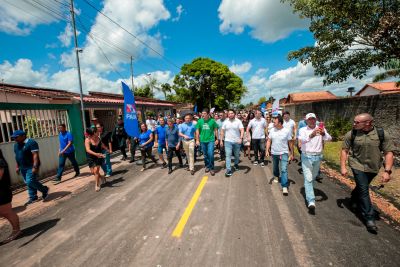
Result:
189,150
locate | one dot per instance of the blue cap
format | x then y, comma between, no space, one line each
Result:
18,133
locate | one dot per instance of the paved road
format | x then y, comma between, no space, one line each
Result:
239,221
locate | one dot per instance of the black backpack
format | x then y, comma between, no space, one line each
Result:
381,135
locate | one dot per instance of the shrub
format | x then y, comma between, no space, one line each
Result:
338,127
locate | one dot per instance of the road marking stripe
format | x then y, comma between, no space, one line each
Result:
185,217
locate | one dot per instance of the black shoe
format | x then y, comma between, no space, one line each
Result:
132,160
45,194
123,158
207,170
192,172
180,165
77,174
58,180
228,173
164,165
371,226
311,208
31,201
212,172
169,171
236,167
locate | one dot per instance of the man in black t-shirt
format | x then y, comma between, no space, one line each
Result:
120,136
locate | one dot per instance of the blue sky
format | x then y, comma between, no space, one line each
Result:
252,37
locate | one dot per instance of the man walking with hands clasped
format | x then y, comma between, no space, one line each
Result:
312,144
231,138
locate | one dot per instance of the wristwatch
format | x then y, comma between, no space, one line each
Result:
388,172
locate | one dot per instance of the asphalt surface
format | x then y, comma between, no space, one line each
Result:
243,220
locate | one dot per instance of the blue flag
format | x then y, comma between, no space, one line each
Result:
130,115
262,107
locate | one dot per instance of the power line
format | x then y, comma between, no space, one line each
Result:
134,36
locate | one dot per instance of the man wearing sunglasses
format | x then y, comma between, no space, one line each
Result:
366,143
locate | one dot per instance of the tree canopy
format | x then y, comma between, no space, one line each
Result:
208,83
262,100
352,36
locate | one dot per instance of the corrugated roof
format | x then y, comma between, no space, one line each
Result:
37,91
309,97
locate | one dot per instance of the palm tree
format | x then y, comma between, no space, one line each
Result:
392,70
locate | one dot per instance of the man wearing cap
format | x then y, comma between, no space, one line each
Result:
120,136
27,157
312,140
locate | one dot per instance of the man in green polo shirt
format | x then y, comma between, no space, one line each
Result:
206,130
366,144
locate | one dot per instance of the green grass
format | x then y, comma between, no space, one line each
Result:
332,154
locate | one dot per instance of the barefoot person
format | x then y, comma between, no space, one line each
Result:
5,200
95,157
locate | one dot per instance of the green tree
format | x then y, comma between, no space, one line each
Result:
144,91
392,70
352,36
208,83
262,100
165,88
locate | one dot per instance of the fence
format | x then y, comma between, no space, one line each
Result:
36,123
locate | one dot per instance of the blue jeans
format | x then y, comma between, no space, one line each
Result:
360,194
229,148
61,163
281,160
33,184
106,166
310,165
208,152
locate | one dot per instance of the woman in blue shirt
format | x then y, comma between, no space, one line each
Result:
146,143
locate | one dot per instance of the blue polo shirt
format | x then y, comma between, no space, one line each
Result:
187,129
23,153
144,137
64,138
172,136
160,132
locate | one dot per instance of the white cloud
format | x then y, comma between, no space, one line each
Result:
179,11
269,20
22,72
299,78
240,68
20,17
137,17
66,36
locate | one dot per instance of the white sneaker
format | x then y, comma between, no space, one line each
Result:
276,180
285,191
107,175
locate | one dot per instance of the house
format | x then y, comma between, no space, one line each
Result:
303,97
378,88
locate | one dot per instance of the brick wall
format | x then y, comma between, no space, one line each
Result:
384,108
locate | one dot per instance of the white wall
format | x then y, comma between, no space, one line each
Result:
48,152
369,91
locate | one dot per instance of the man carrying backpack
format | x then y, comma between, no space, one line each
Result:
363,147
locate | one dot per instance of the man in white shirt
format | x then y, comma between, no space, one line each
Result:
312,139
281,145
231,138
258,125
289,123
151,123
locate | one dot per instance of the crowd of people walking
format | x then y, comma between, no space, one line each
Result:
227,133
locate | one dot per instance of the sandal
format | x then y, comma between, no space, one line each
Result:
12,237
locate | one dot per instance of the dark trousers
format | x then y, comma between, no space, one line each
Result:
61,163
134,146
259,146
360,194
221,151
146,152
123,151
171,151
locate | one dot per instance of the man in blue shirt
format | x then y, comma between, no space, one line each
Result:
27,157
160,141
66,151
173,144
187,131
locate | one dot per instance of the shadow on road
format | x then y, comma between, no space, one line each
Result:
319,195
112,183
19,208
37,230
57,195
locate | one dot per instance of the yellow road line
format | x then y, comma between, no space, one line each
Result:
185,217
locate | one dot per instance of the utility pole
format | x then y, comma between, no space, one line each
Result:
133,88
77,50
